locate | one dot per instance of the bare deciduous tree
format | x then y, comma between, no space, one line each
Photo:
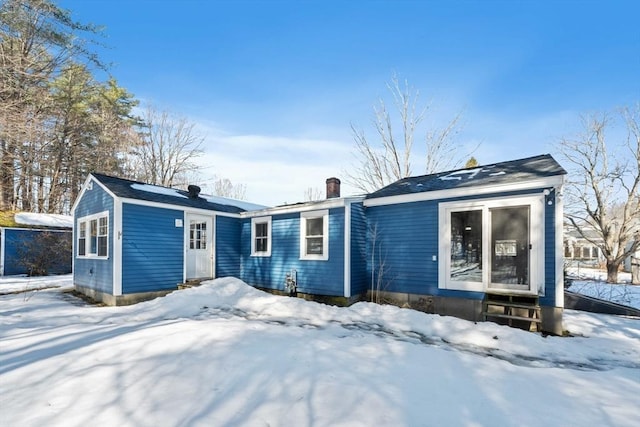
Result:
312,194
168,149
603,189
225,188
387,157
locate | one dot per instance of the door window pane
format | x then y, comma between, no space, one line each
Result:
510,245
466,246
197,235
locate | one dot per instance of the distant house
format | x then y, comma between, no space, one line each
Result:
26,240
632,265
582,250
481,243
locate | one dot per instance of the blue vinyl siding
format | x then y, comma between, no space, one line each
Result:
152,248
17,241
407,239
359,282
227,246
314,277
90,272
404,238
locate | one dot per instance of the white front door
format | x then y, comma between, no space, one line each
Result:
199,242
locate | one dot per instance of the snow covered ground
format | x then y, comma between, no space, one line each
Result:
225,354
592,282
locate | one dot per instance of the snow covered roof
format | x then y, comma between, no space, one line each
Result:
154,193
44,220
498,173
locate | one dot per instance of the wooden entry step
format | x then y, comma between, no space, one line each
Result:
519,311
190,283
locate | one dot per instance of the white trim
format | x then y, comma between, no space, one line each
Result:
87,219
87,186
558,218
214,236
536,236
303,207
117,247
465,191
347,250
185,242
261,220
324,214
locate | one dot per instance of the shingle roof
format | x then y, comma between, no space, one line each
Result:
498,173
138,190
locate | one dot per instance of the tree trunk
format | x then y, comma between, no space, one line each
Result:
612,271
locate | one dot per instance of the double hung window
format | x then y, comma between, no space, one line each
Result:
314,235
261,236
93,236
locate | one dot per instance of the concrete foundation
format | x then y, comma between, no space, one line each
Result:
462,308
118,300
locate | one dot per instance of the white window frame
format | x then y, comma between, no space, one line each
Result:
536,231
255,221
86,220
304,216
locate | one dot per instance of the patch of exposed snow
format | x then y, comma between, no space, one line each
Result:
44,220
247,206
158,190
458,175
592,282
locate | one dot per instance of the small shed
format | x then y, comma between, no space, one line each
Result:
482,243
35,243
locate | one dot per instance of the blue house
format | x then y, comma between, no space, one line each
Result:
25,245
482,243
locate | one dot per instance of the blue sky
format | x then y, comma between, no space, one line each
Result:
274,85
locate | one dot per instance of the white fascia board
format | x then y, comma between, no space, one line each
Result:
347,250
187,209
304,207
117,247
559,217
85,187
553,181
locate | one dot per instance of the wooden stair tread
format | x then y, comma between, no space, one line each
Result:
514,305
512,317
511,308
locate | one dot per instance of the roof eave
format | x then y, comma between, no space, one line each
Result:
547,182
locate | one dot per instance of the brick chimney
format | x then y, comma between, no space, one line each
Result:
333,188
